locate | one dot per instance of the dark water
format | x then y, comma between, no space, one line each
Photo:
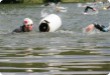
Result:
68,51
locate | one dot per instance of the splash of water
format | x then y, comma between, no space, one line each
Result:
81,5
61,9
91,13
44,13
58,8
0,0
109,73
109,1
0,73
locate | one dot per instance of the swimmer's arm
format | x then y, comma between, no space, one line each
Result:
89,28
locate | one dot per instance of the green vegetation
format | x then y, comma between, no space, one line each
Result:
72,0
41,1
33,1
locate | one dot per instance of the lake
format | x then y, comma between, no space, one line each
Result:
67,51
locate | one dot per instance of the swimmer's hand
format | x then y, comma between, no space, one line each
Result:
89,28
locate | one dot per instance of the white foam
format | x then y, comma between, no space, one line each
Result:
61,9
0,73
109,73
0,0
81,5
108,0
44,13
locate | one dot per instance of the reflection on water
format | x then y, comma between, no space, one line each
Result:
67,51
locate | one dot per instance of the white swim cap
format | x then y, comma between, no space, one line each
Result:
27,21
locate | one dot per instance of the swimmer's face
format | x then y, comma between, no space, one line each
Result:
29,27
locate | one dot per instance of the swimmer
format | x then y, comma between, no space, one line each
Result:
89,7
26,27
102,28
108,7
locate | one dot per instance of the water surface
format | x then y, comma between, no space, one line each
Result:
68,51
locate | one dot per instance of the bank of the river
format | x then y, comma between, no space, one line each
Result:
33,1
41,1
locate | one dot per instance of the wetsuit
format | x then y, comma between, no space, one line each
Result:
87,8
101,27
21,29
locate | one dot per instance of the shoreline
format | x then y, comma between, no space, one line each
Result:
63,1
42,1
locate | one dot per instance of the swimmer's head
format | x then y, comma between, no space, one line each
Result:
27,21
